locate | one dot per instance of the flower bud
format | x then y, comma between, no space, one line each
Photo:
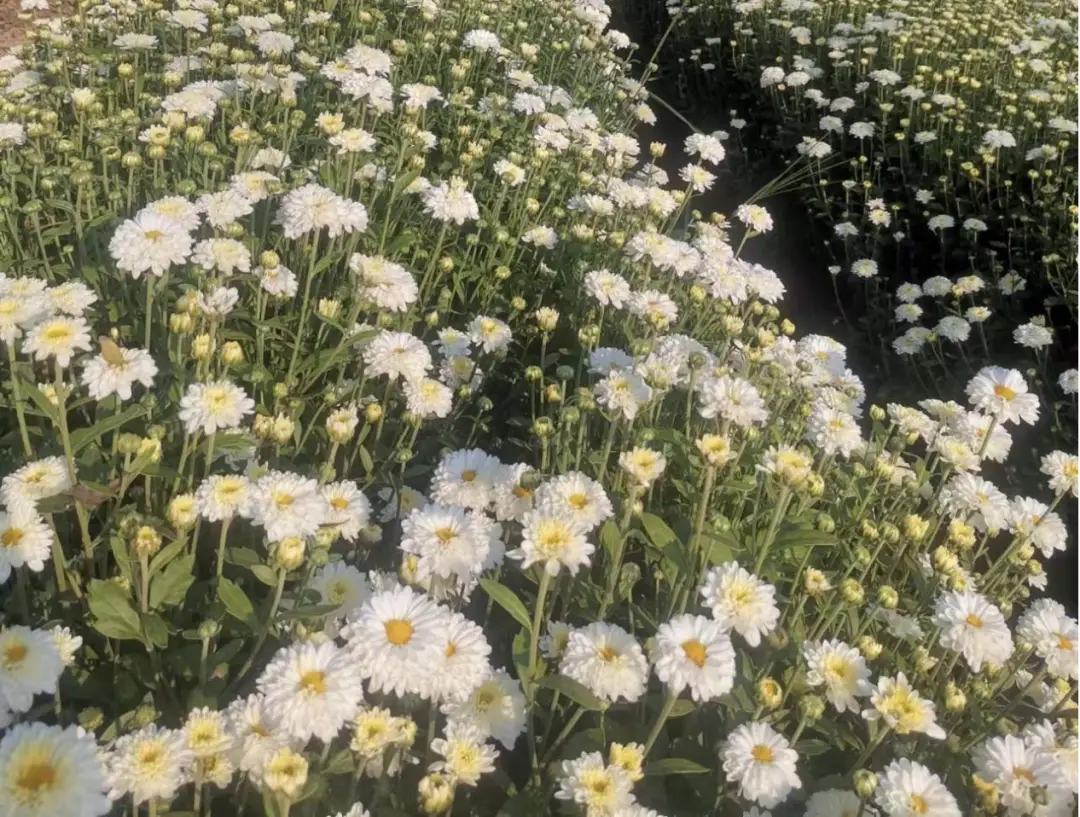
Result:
232,353
862,556
145,715
769,693
630,757
877,413
986,794
869,647
542,427
955,699
202,346
91,719
534,373
180,323
208,629
436,793
128,443
866,783
146,543
373,412
182,512
811,707
289,553
888,597
924,661
815,582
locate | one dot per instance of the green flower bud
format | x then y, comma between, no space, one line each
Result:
811,707
866,783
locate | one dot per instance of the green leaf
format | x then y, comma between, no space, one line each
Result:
658,531
236,601
114,615
792,535
505,598
610,538
84,436
674,765
681,708
168,588
723,546
166,555
266,574
31,390
308,611
157,631
525,804
576,692
341,763
812,747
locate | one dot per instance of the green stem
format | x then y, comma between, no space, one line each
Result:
661,719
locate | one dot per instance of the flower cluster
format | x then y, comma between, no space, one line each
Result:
436,456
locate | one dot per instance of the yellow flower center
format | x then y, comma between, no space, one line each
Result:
149,755
918,805
34,777
695,652
607,655
1024,774
398,632
468,476
484,699
451,650
1071,469
521,492
337,591
11,537
14,654
974,621
283,500
762,753
445,535
837,668
313,681
1065,643
339,503
740,594
1004,392
217,398
152,235
578,502
58,332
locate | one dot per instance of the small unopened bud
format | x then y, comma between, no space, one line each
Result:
436,793
888,597
769,693
146,543
869,647
202,346
866,783
811,707
955,699
182,512
289,553
373,412
232,353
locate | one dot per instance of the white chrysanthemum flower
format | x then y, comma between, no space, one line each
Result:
974,627
466,755
464,664
386,284
222,497
451,202
1041,735
897,703
553,540
909,789
70,298
654,307
47,771
644,465
287,505
23,488
17,313
116,370
30,663
396,638
1063,470
607,660
977,500
466,478
150,764
1004,394
623,392
25,541
313,208
207,732
214,406
1018,769
491,334
223,255
149,243
841,669
496,706
576,497
312,690
427,398
446,542
252,185
740,601
346,508
761,761
224,209
280,281
695,652
341,585
256,733
285,772
59,338
833,431
397,354
607,288
1054,636
598,787
835,803
732,399
67,643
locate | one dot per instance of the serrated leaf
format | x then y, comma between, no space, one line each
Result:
341,763
576,692
156,630
166,555
236,602
505,598
798,536
114,615
308,611
674,765
658,531
169,587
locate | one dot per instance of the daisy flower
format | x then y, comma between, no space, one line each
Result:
464,664
346,508
595,785
116,370
909,789
695,652
974,627
576,497
1063,471
25,540
496,706
287,505
761,761
311,690
553,540
396,638
897,703
22,489
150,764
1053,634
149,243
841,669
445,542
59,338
223,497
397,354
213,406
1018,770
466,755
1004,394
643,464
30,664
740,601
47,771
607,660
341,585
466,479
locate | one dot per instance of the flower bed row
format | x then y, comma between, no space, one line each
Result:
417,469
